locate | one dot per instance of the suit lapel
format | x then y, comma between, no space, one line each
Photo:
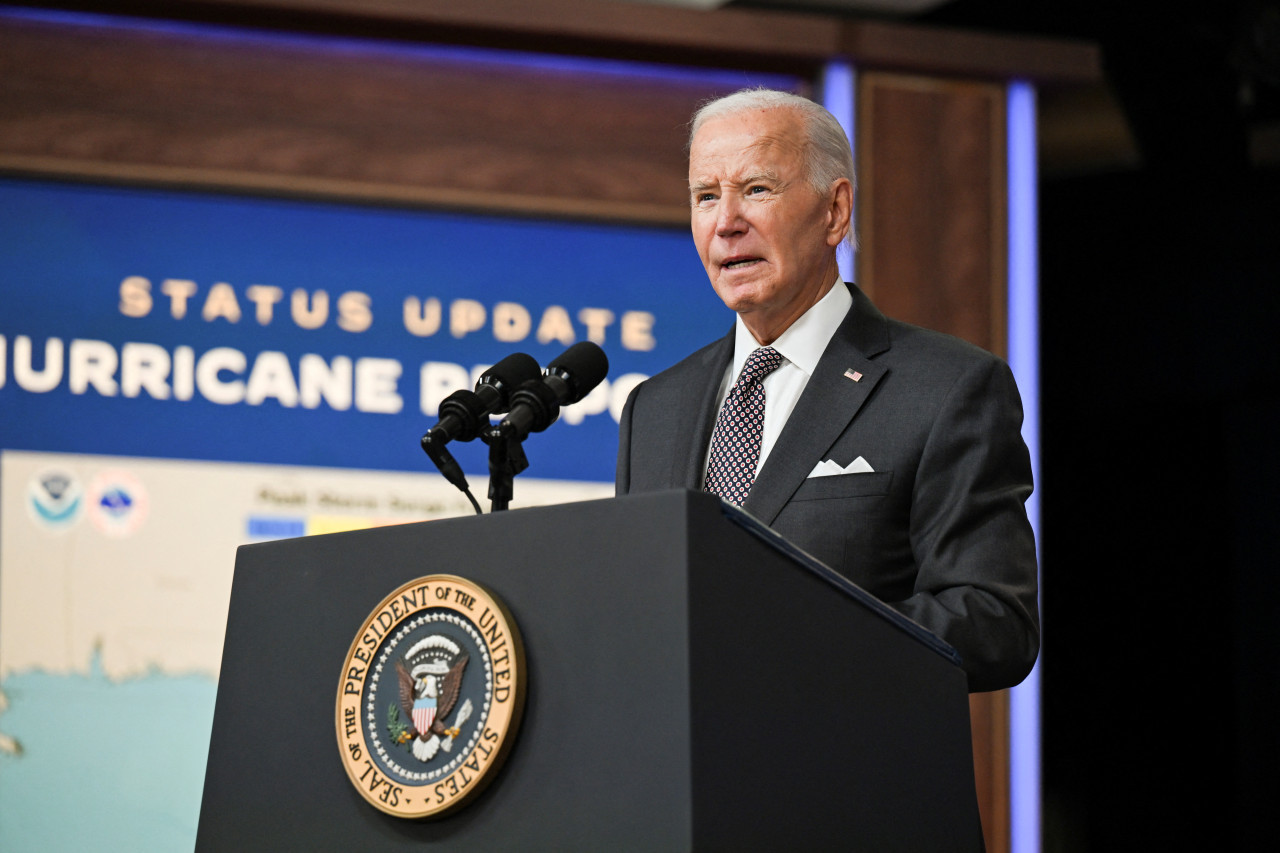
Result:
690,442
833,396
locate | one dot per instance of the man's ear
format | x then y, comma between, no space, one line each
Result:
839,211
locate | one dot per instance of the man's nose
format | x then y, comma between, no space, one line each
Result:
729,216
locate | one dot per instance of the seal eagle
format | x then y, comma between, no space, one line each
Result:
427,696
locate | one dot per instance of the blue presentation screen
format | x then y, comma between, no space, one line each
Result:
181,325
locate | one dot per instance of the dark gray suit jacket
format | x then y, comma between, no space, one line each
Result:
939,530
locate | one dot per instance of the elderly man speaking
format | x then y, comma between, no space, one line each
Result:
889,452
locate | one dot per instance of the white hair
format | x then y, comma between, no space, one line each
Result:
828,155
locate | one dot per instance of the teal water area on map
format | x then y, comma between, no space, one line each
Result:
104,765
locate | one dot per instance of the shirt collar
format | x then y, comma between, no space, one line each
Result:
804,341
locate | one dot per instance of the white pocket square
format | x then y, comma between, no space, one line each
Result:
830,469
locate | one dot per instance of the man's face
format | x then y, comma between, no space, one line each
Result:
766,238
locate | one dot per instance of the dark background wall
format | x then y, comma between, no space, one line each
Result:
1159,266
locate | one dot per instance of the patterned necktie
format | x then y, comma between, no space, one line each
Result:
735,443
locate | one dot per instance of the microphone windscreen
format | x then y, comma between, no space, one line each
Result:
584,365
514,370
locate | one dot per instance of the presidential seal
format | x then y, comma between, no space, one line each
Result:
430,697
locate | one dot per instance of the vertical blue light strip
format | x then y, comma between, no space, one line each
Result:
838,93
1024,358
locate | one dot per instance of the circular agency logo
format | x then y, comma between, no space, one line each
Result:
431,696
55,499
117,503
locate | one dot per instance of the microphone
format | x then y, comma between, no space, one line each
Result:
536,403
462,412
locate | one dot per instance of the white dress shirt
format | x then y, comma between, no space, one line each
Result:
800,346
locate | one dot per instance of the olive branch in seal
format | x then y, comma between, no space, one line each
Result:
396,726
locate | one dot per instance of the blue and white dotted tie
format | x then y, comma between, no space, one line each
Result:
735,443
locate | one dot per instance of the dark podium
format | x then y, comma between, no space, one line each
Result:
695,683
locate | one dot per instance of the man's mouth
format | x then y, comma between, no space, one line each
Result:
739,263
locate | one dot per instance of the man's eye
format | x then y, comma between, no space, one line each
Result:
756,190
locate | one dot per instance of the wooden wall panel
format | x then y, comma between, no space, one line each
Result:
931,213
759,38
932,221
989,721
344,119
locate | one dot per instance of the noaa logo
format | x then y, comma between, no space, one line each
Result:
55,498
431,696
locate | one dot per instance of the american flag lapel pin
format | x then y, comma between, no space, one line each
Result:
853,374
